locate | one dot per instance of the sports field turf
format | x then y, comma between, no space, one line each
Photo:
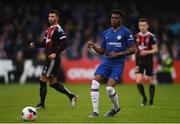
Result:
15,97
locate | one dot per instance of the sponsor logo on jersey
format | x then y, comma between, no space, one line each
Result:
115,44
130,37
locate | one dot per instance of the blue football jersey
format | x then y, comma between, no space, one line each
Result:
116,41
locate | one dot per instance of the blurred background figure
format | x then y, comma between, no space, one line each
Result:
165,69
22,22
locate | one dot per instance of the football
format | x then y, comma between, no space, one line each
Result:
29,113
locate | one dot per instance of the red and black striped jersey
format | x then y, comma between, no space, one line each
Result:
54,40
145,42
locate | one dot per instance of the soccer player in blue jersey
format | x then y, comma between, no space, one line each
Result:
117,43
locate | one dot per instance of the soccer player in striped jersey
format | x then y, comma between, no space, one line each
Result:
55,42
146,47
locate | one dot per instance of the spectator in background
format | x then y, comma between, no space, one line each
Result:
165,70
18,66
175,47
21,22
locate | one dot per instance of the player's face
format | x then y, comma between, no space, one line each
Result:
53,18
143,26
116,20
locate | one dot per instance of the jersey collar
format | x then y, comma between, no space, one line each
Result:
140,33
117,30
54,26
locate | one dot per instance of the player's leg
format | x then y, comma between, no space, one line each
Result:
113,97
60,88
139,75
141,88
151,90
42,91
95,94
150,74
113,79
44,79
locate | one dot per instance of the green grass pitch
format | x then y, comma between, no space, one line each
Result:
13,98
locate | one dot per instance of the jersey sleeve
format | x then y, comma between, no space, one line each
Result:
130,39
153,40
103,42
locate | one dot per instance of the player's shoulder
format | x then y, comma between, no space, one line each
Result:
147,34
59,28
151,34
56,27
107,30
125,29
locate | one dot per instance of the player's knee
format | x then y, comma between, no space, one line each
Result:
138,80
110,90
95,84
52,81
43,78
152,80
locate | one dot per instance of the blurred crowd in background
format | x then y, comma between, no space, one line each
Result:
24,22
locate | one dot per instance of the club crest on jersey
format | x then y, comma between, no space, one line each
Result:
52,32
119,37
147,40
137,39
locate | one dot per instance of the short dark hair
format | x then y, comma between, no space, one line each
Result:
54,11
119,12
143,20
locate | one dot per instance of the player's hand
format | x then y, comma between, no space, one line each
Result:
144,53
52,56
90,44
113,54
31,45
133,57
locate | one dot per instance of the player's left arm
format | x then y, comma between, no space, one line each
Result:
59,43
154,47
129,51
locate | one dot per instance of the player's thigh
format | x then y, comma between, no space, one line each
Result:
116,73
139,77
151,79
149,70
139,71
111,82
43,78
100,79
102,72
51,67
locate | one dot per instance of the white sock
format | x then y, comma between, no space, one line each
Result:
95,95
113,96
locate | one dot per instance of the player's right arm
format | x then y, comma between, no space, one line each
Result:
98,49
154,46
37,44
